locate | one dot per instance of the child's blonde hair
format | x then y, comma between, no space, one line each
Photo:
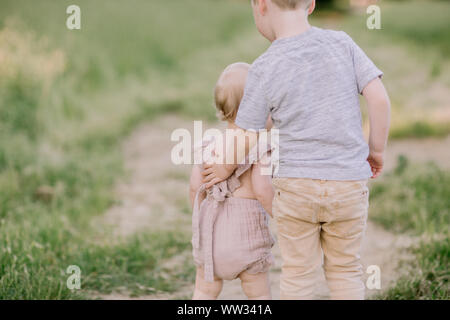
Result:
229,90
291,4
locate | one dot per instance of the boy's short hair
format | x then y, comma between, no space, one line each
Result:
292,4
229,90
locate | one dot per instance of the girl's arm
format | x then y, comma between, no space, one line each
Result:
262,187
195,184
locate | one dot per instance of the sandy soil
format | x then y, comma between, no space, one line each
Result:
155,189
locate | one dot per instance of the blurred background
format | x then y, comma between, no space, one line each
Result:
85,123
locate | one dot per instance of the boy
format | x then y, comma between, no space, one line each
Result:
309,80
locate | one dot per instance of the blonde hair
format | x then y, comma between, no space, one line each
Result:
291,4
229,90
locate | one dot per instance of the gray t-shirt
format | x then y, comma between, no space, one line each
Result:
310,84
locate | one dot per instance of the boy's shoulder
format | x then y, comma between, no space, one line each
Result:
272,56
261,63
332,37
337,34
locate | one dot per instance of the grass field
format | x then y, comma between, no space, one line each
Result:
415,200
69,98
59,148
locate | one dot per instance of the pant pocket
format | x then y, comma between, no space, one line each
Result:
294,228
345,229
294,220
349,217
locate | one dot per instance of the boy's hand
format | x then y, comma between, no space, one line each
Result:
215,173
376,161
379,108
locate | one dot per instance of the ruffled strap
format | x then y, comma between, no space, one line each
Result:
196,218
210,217
256,153
219,192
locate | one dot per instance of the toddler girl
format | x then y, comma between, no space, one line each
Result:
231,237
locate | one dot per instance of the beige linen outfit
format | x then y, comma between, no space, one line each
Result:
230,235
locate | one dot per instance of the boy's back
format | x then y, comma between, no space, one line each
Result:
310,83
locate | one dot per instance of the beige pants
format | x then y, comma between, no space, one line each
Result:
320,221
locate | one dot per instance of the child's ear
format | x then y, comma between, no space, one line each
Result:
311,7
262,7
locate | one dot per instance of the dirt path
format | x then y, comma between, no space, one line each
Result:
154,196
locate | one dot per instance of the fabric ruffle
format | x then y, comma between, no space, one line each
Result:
233,182
262,265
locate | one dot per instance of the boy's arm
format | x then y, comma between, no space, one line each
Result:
234,153
379,107
195,184
262,187
370,86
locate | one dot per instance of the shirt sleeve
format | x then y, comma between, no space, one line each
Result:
254,108
365,69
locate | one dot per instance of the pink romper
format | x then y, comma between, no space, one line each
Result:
230,235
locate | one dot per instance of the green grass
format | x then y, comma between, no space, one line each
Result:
39,271
415,199
67,100
420,129
405,22
429,276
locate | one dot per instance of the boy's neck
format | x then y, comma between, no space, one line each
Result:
290,23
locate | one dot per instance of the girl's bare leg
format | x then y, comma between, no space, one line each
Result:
256,286
205,290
